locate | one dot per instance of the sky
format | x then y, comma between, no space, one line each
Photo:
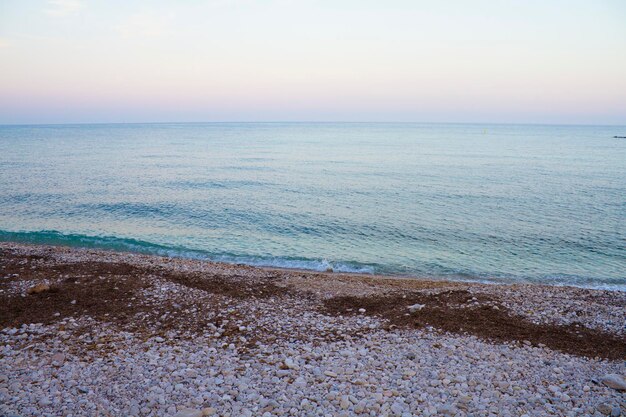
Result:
83,61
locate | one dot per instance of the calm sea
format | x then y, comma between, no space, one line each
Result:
502,203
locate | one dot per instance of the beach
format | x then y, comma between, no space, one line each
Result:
92,332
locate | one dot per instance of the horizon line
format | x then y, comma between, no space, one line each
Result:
309,122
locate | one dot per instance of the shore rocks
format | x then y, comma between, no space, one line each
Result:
614,381
57,359
39,288
415,307
291,364
188,412
240,347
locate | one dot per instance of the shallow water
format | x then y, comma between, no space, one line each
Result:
475,202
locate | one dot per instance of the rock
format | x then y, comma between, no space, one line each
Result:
291,364
360,407
361,310
447,410
39,288
614,381
58,359
604,408
159,339
189,412
209,411
345,402
330,374
415,307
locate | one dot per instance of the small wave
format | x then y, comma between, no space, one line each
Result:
53,237
293,263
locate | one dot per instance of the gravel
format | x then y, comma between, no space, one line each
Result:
281,354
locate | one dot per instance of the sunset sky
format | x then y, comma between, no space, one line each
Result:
65,61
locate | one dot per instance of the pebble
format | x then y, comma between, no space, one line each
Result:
415,307
188,412
614,381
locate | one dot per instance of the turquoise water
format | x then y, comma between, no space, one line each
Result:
501,203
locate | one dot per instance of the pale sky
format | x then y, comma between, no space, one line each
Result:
548,61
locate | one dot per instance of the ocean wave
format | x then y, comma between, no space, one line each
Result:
53,237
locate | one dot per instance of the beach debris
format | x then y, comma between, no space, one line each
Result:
614,381
39,288
416,307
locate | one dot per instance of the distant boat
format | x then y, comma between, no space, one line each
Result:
619,137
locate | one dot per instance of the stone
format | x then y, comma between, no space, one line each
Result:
39,288
614,381
58,359
345,402
300,382
416,307
291,364
189,412
604,409
360,407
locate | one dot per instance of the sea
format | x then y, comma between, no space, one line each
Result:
473,202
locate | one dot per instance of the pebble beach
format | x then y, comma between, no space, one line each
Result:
98,333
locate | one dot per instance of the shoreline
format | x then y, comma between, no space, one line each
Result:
340,342
494,280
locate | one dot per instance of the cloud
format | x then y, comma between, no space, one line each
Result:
61,8
145,25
